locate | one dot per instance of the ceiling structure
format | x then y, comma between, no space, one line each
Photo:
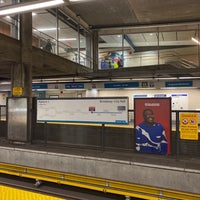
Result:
143,21
140,19
123,13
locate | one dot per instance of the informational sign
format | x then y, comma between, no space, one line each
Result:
147,84
189,126
152,125
179,101
122,85
74,85
40,86
179,84
140,96
84,110
17,91
160,95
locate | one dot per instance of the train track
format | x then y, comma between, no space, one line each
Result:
53,189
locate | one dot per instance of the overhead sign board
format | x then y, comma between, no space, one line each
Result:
179,84
122,85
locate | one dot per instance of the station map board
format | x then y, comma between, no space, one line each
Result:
84,110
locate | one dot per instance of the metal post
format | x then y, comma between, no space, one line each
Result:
102,136
123,50
177,135
78,40
198,46
45,133
158,48
57,33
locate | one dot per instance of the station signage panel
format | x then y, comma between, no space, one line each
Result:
179,84
40,86
84,110
189,126
122,85
74,86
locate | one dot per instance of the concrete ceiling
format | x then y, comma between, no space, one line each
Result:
122,13
132,17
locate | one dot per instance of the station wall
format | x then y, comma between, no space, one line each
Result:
182,98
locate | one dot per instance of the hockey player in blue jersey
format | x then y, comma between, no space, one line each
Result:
150,135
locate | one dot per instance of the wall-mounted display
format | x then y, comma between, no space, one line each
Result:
152,125
84,110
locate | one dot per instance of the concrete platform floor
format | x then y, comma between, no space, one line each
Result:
181,161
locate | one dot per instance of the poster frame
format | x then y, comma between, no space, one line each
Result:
162,112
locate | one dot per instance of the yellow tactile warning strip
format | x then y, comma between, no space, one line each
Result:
94,183
10,193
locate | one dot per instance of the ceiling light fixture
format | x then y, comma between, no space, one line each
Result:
46,29
192,77
67,39
166,78
29,6
75,0
195,40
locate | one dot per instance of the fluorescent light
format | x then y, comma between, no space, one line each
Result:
29,6
192,77
167,78
46,29
67,39
75,0
5,83
195,40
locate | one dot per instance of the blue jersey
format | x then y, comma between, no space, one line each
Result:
151,139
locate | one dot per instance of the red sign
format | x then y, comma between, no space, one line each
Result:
152,125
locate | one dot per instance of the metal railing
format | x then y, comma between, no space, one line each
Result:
59,48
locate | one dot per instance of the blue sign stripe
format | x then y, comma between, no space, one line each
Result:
178,95
122,85
40,86
74,85
160,95
179,84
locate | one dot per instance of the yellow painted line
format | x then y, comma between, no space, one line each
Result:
86,124
75,124
98,184
11,193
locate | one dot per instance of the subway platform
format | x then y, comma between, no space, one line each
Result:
181,174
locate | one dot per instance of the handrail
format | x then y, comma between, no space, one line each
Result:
86,60
42,36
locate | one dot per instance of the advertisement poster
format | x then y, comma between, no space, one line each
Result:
189,126
111,60
152,125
